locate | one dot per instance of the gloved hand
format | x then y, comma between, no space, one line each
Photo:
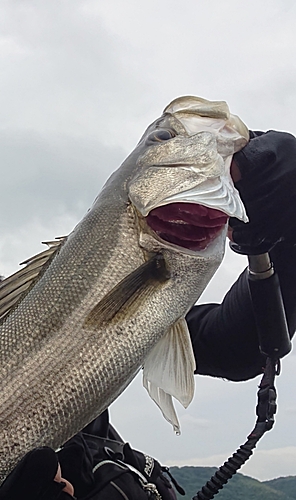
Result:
36,477
268,189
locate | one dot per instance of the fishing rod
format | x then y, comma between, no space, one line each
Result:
274,343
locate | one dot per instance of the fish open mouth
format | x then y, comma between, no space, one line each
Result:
187,225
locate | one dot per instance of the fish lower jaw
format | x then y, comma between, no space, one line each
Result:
202,241
150,241
188,226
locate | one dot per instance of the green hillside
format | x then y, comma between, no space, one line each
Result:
285,484
240,487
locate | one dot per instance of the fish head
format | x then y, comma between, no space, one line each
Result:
182,189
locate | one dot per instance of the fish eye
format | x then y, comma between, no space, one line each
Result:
161,135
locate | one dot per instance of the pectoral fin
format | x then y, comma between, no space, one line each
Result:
169,371
132,288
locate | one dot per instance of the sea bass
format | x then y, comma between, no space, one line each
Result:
81,318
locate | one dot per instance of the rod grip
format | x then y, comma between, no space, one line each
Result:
270,317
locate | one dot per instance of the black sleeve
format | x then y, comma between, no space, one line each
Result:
224,336
33,478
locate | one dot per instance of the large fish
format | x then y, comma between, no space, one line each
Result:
80,319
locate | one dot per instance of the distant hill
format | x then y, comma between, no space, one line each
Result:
240,487
286,485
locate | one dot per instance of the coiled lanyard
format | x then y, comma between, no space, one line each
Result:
274,343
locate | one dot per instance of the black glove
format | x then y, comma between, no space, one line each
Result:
268,189
33,478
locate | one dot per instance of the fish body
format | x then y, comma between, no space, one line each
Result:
112,296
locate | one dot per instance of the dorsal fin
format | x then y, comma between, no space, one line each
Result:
16,286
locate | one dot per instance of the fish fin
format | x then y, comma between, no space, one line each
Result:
134,286
169,371
16,286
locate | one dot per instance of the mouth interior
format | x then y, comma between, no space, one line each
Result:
187,225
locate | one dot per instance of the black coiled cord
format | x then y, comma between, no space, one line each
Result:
265,411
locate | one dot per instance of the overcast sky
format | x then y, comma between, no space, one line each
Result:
80,81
